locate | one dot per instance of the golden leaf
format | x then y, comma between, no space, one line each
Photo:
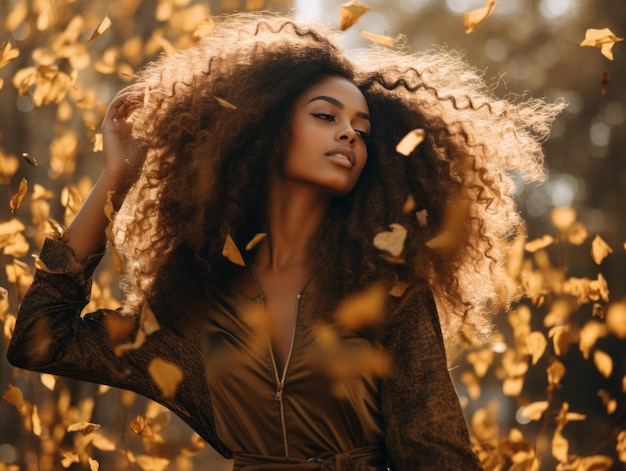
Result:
453,227
534,410
589,334
473,19
555,372
603,362
69,457
36,421
538,244
104,25
577,233
13,395
93,464
167,376
562,218
398,288
141,426
481,360
49,381
616,319
98,142
101,442
231,252
152,463
15,18
599,249
7,54
410,141
472,384
225,104
513,386
350,13
409,204
83,427
17,198
560,339
621,445
391,241
362,309
377,38
422,217
536,343
604,39
148,320
560,445
255,240
610,404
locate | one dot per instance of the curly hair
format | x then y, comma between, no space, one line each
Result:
207,166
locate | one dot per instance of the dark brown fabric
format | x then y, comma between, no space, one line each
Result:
416,409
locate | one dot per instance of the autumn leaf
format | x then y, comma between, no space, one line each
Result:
152,463
85,428
599,249
422,217
536,343
562,218
603,363
535,410
560,445
13,395
410,141
377,38
7,54
362,309
604,39
473,19
538,244
616,319
17,198
391,241
104,25
30,159
255,240
167,376
350,13
398,289
231,252
225,104
621,445
453,227
141,426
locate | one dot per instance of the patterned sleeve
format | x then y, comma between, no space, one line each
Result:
424,425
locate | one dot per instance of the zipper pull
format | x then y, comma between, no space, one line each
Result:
279,392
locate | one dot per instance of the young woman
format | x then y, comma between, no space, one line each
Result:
266,127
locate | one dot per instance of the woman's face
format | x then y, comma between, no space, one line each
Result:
329,131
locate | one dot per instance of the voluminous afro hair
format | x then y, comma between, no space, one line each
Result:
207,166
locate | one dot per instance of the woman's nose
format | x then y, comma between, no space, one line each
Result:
347,135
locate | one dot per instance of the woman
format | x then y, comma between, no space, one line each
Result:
266,127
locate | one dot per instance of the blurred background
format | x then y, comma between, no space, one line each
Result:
549,391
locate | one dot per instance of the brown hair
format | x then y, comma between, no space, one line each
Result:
207,166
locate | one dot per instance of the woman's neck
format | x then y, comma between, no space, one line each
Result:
294,214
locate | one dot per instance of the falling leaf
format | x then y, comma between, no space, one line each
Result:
36,421
616,319
454,226
362,309
472,384
98,142
621,444
536,343
538,244
7,54
473,19
391,241
535,410
30,159
141,426
409,204
83,427
148,321
603,362
49,381
377,38
231,252
422,217
225,104
600,249
13,395
101,442
555,372
560,445
350,13
410,141
93,465
69,457
17,198
104,25
604,39
398,289
167,376
152,463
255,240
610,404
562,218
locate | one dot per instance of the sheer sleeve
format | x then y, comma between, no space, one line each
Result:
424,425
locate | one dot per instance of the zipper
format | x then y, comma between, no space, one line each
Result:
280,382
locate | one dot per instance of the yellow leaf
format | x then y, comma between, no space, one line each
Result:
604,39
473,19
616,319
141,426
104,25
555,372
98,142
603,362
7,54
225,104
17,198
621,445
167,376
538,244
152,463
102,443
148,321
454,226
93,465
513,386
481,360
377,38
599,249
589,334
536,343
362,309
391,241
560,445
49,381
13,395
472,384
410,141
350,13
255,240
562,218
83,427
69,457
36,421
231,252
535,410
398,288
422,217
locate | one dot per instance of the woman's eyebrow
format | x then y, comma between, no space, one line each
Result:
338,104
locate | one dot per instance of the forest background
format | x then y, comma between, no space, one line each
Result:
548,392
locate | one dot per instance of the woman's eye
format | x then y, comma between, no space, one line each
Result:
363,135
324,116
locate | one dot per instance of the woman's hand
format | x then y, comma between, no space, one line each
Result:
120,150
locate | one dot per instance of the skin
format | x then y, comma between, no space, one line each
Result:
330,118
